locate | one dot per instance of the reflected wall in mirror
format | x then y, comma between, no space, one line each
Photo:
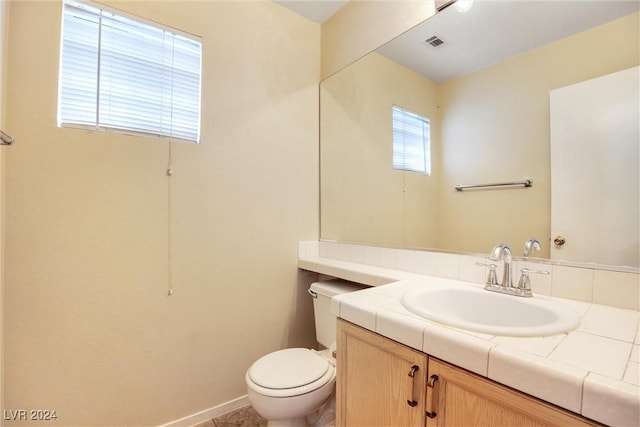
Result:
489,111
363,198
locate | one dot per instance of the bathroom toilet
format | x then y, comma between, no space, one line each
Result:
287,386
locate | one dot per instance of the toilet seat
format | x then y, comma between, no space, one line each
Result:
290,372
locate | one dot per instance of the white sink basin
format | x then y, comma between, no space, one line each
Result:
475,309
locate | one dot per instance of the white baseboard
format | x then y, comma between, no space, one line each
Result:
207,414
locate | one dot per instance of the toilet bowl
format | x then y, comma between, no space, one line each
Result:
287,386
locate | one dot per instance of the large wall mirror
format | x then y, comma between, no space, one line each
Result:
485,79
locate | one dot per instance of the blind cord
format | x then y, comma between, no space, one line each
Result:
169,173
169,246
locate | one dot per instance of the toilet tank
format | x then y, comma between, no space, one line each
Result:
322,293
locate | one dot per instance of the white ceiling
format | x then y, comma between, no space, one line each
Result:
316,10
492,31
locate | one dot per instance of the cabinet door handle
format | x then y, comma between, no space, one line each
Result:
412,374
434,395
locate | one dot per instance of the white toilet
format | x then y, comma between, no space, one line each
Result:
286,386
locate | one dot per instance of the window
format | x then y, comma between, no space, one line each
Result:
411,141
120,74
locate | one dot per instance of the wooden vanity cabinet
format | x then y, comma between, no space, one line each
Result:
456,397
379,382
383,383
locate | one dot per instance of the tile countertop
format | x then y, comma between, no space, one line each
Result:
593,370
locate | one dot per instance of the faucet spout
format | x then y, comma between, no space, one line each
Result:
531,244
502,253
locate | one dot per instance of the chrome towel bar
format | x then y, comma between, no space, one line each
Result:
525,182
5,139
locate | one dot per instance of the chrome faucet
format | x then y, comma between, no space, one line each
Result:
531,244
502,252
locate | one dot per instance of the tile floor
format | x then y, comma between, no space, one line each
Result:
243,417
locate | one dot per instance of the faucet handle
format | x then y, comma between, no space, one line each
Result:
525,282
492,278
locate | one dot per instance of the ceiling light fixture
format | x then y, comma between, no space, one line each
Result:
463,5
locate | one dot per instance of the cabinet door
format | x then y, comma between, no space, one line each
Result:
456,397
379,382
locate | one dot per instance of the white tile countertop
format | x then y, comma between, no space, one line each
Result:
593,370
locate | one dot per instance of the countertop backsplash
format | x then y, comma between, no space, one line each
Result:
582,283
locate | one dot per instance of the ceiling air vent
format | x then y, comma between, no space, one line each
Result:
435,41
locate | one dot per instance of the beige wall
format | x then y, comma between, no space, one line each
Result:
3,50
361,26
361,193
91,218
495,128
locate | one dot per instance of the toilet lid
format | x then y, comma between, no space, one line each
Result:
289,368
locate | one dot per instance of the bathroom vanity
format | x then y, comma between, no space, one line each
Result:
383,383
584,376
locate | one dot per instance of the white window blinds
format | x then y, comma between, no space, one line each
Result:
120,74
411,141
